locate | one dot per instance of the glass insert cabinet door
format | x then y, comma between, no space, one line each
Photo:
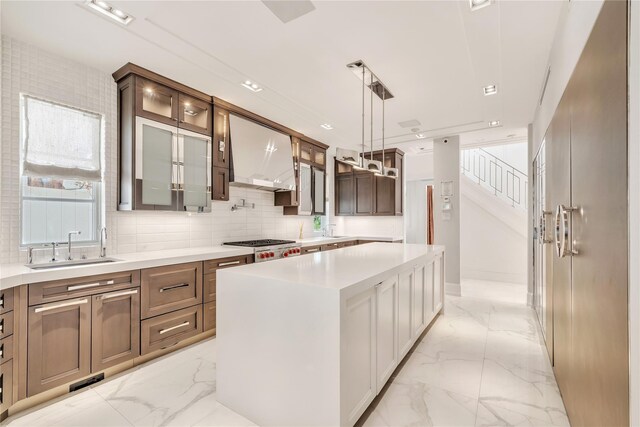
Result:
156,165
194,173
156,102
318,192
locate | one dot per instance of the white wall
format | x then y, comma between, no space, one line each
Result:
489,248
29,69
446,167
419,166
574,28
513,154
416,211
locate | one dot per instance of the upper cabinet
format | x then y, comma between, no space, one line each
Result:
174,148
363,193
164,147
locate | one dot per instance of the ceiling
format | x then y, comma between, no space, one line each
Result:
435,57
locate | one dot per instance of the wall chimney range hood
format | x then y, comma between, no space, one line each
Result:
260,156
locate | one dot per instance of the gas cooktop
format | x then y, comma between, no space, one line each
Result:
260,243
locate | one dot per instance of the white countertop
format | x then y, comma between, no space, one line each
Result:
17,274
340,268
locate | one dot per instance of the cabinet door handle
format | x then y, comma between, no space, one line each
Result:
119,294
1,326
172,287
89,285
2,301
61,305
1,351
164,331
224,264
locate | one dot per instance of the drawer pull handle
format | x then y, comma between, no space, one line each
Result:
172,287
2,301
61,305
164,331
313,250
1,326
224,264
1,351
89,285
119,294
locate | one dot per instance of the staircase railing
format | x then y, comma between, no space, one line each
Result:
502,179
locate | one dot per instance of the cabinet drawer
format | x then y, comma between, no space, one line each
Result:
6,349
209,314
169,329
40,293
165,289
6,324
311,249
6,385
6,300
212,265
209,292
330,246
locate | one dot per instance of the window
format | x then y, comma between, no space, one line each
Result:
61,182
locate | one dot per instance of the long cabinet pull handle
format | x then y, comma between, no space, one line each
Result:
224,264
1,326
164,331
89,285
172,287
119,294
61,305
313,250
2,301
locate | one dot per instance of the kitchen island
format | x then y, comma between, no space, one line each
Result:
312,340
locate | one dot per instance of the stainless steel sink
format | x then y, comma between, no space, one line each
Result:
72,263
337,237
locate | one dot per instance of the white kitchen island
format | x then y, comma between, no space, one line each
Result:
311,340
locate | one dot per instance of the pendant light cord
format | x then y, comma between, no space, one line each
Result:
362,159
371,111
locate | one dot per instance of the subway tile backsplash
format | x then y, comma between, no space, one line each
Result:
31,70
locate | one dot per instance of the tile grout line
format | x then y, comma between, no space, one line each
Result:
484,359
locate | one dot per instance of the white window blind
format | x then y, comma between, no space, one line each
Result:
60,141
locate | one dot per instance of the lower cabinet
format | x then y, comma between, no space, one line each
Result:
360,354
59,343
381,324
167,330
438,269
386,330
405,312
6,386
115,328
209,316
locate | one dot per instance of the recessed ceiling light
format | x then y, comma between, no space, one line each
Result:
494,123
326,126
252,86
478,4
490,90
106,9
420,135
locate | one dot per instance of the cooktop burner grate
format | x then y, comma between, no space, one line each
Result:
259,243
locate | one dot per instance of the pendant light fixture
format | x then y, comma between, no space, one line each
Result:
350,156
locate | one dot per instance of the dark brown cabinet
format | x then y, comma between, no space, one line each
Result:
167,330
59,343
6,386
364,193
170,288
344,194
115,328
194,114
220,189
156,102
318,191
220,137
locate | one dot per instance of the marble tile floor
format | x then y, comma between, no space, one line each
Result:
496,291
481,364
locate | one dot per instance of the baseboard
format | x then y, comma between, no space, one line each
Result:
494,276
530,299
452,289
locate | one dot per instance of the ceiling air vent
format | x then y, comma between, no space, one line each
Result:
544,84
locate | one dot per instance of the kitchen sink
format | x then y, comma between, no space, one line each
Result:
72,263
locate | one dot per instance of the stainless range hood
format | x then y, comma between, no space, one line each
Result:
260,156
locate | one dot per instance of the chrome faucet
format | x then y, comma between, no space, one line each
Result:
103,246
69,243
54,245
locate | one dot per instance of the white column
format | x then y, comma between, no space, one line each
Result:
446,168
